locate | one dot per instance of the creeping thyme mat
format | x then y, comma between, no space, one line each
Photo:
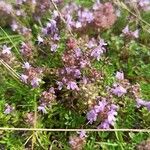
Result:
71,67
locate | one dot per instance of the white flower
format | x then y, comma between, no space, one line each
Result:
43,109
120,75
40,40
126,30
6,50
35,82
26,65
24,78
78,24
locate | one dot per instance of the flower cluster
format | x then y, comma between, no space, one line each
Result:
76,78
144,4
8,109
98,48
68,77
140,4
7,55
29,118
104,15
41,7
26,50
46,99
120,88
51,31
131,34
103,111
16,27
6,51
74,56
136,91
101,15
77,142
74,61
141,102
31,75
7,8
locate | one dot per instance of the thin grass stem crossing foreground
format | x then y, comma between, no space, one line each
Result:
74,130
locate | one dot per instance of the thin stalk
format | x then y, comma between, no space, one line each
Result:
124,6
10,69
35,123
11,42
11,36
74,130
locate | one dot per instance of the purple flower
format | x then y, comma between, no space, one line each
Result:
56,37
120,75
77,73
26,65
92,43
51,27
101,106
144,4
126,30
44,31
108,110
72,142
85,16
119,90
97,52
69,20
111,116
35,82
135,34
6,7
71,85
141,102
6,50
102,43
57,1
96,4
84,63
52,90
104,125
42,108
24,78
60,85
14,26
82,134
84,80
54,47
78,52
91,116
8,109
25,30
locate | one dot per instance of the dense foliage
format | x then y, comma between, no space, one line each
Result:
74,65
